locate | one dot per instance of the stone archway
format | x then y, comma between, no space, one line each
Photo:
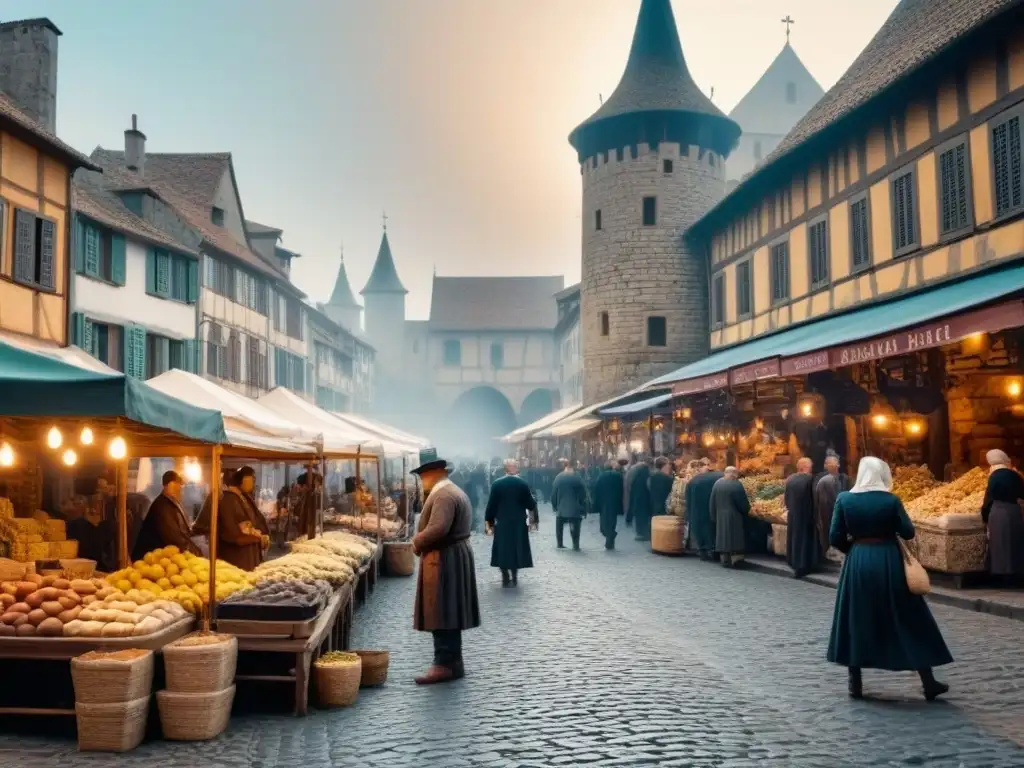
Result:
538,403
479,416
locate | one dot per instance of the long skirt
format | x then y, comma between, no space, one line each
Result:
1006,539
511,546
446,595
878,623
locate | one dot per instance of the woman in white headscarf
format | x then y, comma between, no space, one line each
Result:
878,623
1002,514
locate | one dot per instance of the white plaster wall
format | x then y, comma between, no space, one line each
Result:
227,200
130,303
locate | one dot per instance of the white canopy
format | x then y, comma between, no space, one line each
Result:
71,355
569,427
338,436
525,433
405,443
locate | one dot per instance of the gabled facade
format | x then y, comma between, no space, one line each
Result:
35,187
905,175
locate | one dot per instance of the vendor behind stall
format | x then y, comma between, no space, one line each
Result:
242,532
95,534
166,523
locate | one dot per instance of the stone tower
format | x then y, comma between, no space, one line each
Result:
342,307
384,296
652,159
28,68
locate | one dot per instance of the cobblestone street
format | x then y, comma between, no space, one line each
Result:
626,658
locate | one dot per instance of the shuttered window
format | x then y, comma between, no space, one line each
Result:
718,300
1006,152
817,253
954,187
135,351
35,244
904,212
860,234
780,272
744,289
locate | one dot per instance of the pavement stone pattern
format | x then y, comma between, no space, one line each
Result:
627,659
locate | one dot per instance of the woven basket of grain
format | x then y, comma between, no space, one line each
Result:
78,567
117,727
103,677
338,676
201,662
374,667
194,716
399,559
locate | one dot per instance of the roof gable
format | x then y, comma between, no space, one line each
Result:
766,109
494,303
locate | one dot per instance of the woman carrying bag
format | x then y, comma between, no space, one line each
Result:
879,622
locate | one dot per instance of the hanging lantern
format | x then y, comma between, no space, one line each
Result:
6,455
86,437
54,438
118,449
70,457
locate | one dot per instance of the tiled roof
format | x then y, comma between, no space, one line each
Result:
254,228
92,199
494,303
32,132
656,78
197,174
384,277
915,32
194,209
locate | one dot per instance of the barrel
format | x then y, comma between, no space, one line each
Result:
399,559
667,534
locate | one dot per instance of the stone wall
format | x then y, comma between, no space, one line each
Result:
28,68
632,271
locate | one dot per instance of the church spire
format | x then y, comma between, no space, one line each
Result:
342,296
384,277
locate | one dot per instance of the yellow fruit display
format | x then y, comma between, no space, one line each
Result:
950,497
168,574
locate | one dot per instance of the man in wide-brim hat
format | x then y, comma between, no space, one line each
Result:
446,596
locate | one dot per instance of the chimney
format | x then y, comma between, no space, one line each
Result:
28,68
135,147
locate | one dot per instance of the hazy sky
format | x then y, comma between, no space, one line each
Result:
451,114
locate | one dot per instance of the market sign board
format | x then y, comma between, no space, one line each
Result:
766,369
702,384
812,362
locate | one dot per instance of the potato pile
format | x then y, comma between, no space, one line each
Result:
48,606
771,510
942,499
169,574
912,482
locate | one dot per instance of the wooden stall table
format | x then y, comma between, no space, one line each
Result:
331,628
67,648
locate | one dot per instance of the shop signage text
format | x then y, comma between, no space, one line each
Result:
766,369
702,384
809,363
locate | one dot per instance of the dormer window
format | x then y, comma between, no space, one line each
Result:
217,216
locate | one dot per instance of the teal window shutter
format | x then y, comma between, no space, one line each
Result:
92,251
151,271
77,328
163,274
135,351
79,245
88,337
117,259
164,361
192,296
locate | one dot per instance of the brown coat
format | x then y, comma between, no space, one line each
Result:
165,525
240,549
446,596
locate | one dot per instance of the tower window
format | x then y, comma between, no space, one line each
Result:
603,319
667,166
217,216
452,352
791,93
650,211
657,332
597,219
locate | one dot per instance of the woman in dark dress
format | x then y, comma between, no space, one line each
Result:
1004,518
878,623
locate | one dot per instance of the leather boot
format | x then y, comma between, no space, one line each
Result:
505,579
856,685
438,674
515,578
932,687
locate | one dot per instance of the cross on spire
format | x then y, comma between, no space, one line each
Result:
788,21
385,219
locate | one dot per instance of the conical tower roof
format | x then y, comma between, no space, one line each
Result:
342,296
656,82
384,277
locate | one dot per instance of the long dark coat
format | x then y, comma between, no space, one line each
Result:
608,495
826,491
729,508
165,525
240,549
660,488
698,510
508,504
803,552
638,495
569,496
446,596
1002,514
877,622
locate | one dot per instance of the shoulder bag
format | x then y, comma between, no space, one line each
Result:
917,577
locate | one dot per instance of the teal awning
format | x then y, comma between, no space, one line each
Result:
637,407
41,386
868,322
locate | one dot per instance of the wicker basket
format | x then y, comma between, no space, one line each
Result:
667,534
207,668
337,685
375,667
110,677
194,716
779,533
78,568
118,727
399,559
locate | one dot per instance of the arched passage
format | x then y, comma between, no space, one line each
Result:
478,417
538,403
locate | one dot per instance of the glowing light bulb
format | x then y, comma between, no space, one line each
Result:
914,427
193,472
87,436
54,438
1013,389
118,449
69,457
806,409
880,420
6,455
686,413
